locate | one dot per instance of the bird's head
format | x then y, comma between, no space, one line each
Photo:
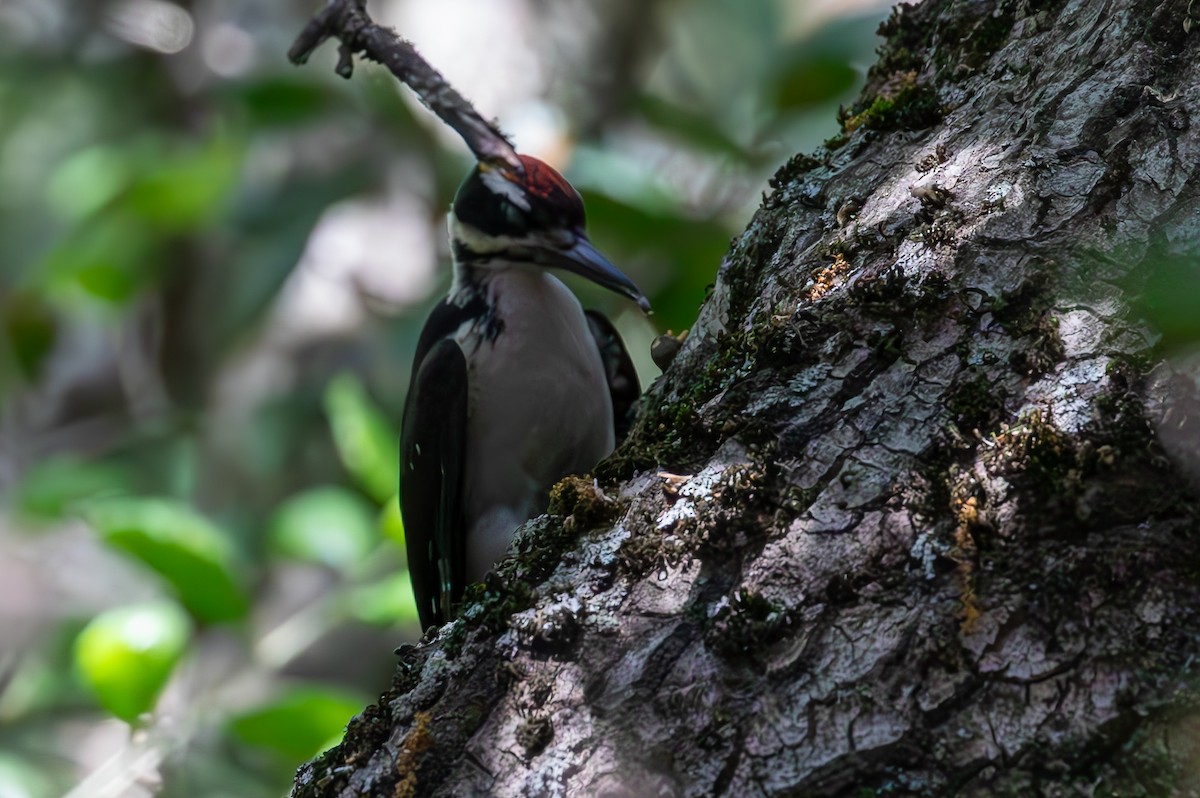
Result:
533,216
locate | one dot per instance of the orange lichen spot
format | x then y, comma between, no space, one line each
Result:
829,277
415,743
964,555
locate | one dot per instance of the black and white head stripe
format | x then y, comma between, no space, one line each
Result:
502,202
497,182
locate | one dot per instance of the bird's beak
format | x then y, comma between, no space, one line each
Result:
584,259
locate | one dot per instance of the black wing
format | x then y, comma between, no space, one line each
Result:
623,385
431,470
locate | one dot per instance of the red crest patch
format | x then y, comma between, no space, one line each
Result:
545,186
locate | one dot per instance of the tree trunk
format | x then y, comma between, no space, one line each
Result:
910,514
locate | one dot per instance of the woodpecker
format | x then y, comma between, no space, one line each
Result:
513,385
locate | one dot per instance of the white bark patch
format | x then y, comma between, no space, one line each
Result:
1080,332
702,485
1069,392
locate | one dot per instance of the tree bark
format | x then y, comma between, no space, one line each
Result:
913,511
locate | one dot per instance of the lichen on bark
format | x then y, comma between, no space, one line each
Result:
913,512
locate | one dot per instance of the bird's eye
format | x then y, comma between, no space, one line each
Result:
514,215
561,237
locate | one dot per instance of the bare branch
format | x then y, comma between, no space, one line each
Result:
348,22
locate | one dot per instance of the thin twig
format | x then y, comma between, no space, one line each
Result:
348,22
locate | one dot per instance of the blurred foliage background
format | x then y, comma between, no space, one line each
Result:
213,269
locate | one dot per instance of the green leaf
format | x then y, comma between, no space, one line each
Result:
299,725
391,523
52,487
1170,298
31,328
109,257
384,603
184,190
812,81
284,100
87,181
328,525
126,655
183,547
366,441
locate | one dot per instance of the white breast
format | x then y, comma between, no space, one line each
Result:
539,408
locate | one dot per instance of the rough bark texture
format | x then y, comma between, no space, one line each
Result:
910,512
